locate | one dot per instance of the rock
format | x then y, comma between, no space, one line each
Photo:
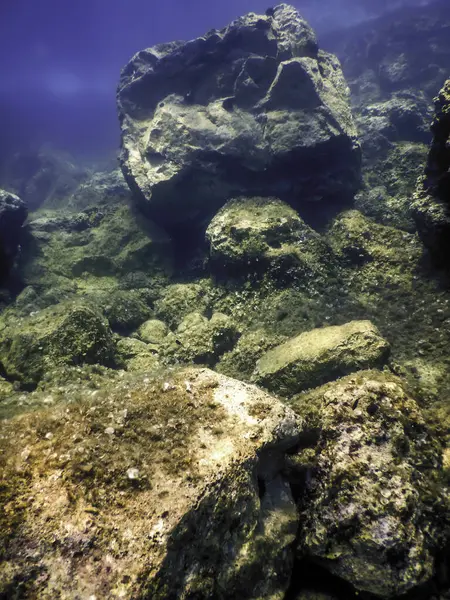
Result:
374,513
138,356
240,361
153,331
265,234
431,207
102,188
125,310
185,498
253,109
203,340
394,64
69,333
320,355
6,388
180,299
13,213
92,254
43,177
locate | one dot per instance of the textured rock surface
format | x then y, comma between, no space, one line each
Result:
264,234
149,489
41,177
13,213
432,200
320,355
68,333
252,109
394,65
375,512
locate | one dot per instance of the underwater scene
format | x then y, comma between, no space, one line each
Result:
225,300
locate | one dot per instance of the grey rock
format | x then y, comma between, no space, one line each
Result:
253,109
13,213
431,206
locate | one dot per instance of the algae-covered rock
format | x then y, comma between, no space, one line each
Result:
320,355
153,331
261,234
253,109
149,488
202,340
374,513
6,388
68,333
431,207
179,299
240,361
136,355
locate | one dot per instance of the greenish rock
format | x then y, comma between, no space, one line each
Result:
320,355
6,388
153,331
202,340
125,310
240,361
262,234
375,510
138,356
147,487
69,333
179,299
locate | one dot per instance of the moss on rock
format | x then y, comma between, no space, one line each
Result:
375,511
69,333
320,355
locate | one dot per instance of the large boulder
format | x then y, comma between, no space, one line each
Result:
320,355
253,109
149,488
431,205
13,213
375,511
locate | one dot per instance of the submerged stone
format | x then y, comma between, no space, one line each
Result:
320,355
431,207
70,333
13,213
185,497
265,234
253,109
375,511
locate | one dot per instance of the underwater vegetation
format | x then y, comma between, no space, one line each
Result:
224,366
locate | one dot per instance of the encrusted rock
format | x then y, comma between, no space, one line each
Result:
203,340
153,331
265,233
166,488
253,109
13,213
374,512
320,355
431,207
69,333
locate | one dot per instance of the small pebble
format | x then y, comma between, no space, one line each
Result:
109,430
49,436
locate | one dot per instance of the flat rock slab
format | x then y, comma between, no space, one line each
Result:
253,109
320,355
149,489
